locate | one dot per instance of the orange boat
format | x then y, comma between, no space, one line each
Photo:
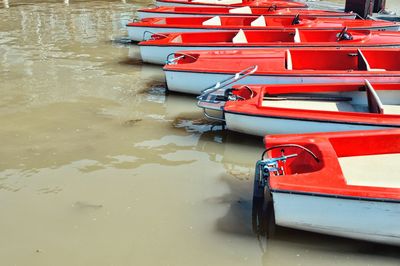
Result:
193,11
344,184
233,3
194,71
157,49
137,30
305,108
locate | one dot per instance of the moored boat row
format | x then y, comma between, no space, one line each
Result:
232,3
137,30
328,114
160,46
273,11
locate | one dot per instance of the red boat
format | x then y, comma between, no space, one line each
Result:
137,30
193,11
305,108
344,184
193,71
233,3
160,46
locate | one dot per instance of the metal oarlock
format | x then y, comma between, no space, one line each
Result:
152,33
170,61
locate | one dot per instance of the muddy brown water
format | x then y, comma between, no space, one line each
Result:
99,166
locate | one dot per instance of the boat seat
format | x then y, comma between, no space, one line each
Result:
240,37
229,2
205,1
297,36
377,69
391,109
311,105
289,64
161,22
241,10
259,22
214,21
226,2
177,39
374,103
371,170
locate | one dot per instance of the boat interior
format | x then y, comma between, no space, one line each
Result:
223,2
343,60
260,21
380,98
377,99
254,37
229,37
206,10
369,160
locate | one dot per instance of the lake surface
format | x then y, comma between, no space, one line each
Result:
99,166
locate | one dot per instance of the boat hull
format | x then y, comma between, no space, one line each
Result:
262,125
178,80
366,219
136,33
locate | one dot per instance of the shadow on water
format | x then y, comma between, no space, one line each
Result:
237,219
122,40
237,153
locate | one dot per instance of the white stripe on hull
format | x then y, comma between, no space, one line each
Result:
261,126
358,219
179,81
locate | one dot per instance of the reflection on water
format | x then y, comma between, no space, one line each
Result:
99,166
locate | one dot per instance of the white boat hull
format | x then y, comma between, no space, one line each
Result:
158,54
179,80
137,33
261,126
159,3
369,220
